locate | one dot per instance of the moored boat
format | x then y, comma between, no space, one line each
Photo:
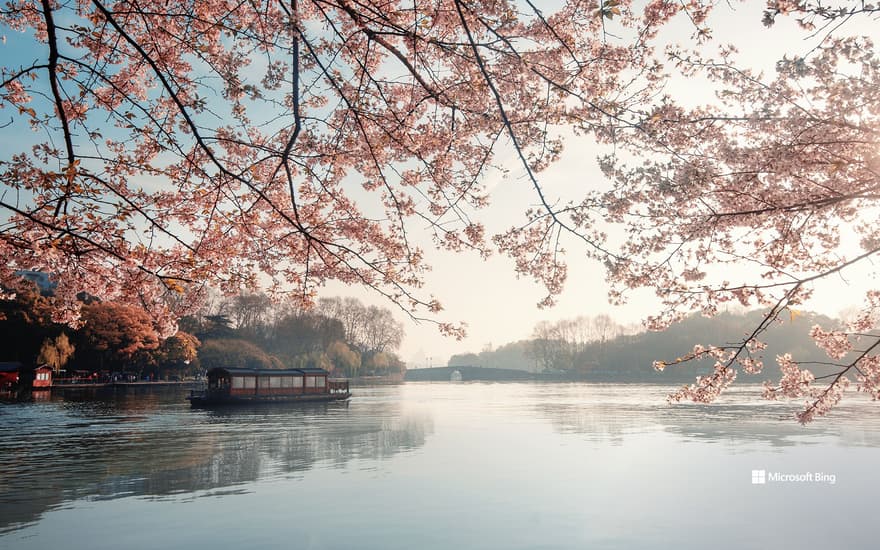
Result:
232,386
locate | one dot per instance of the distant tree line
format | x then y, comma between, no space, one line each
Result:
341,335
568,345
598,349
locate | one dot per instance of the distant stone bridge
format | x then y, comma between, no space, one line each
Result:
445,374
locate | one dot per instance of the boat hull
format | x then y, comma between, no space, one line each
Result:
202,401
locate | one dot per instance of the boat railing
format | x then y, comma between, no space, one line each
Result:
337,386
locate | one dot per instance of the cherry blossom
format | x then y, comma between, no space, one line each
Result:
282,145
285,145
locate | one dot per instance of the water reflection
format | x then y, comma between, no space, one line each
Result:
435,466
610,413
151,444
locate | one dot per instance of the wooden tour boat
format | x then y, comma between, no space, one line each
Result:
233,386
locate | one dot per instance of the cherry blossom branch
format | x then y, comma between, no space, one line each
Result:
118,255
830,396
61,111
515,140
394,51
305,233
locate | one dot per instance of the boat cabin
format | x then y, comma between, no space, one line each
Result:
42,377
15,377
9,373
236,382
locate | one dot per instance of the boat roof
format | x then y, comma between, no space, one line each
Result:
270,372
10,366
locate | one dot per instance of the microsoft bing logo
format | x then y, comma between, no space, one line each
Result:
763,477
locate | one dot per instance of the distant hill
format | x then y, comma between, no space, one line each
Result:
629,358
509,356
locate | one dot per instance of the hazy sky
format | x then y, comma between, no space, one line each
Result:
499,308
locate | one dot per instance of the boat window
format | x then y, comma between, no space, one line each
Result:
286,381
320,381
275,382
310,381
297,382
237,382
250,382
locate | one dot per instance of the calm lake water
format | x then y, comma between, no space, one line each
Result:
439,466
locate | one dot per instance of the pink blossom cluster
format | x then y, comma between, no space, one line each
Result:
751,365
707,388
795,382
834,342
868,376
823,401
